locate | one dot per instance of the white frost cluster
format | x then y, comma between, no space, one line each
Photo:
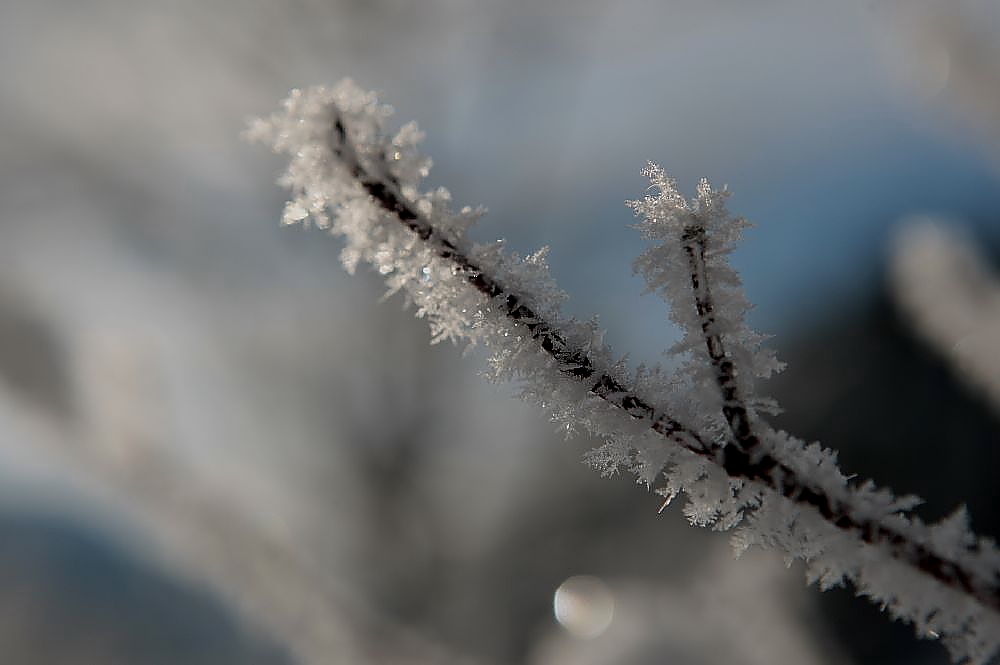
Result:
348,175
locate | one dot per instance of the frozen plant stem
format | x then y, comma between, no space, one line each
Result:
736,471
735,411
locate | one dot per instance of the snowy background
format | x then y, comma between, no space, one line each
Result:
216,447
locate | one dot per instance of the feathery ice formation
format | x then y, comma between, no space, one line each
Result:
697,431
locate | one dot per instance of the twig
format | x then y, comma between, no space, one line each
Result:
374,193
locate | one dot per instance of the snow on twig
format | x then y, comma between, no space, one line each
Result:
697,431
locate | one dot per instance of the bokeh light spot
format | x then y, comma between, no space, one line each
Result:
584,606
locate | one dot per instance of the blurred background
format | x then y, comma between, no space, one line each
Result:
216,447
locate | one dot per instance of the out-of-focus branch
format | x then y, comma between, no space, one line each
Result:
952,297
198,531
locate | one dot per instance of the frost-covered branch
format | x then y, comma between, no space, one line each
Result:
696,431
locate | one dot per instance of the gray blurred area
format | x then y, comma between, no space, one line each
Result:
217,447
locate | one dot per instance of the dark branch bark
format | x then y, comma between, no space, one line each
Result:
733,406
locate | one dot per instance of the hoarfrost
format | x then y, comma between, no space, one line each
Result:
699,431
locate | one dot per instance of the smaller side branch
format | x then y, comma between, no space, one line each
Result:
733,407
